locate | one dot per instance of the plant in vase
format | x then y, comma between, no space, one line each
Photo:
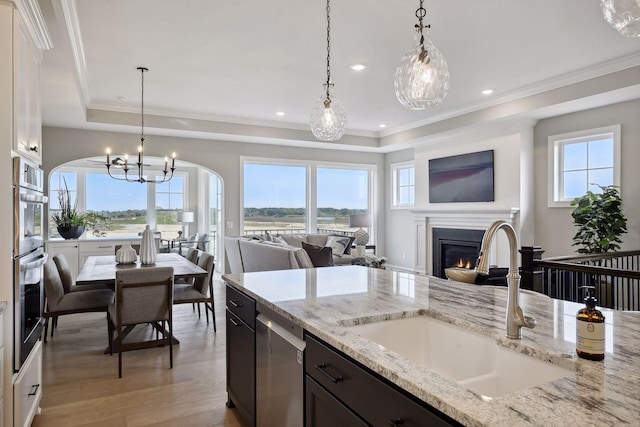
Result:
71,223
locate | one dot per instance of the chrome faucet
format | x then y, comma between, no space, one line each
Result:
515,319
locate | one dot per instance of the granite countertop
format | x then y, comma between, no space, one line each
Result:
326,301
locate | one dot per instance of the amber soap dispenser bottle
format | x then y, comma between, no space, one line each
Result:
590,329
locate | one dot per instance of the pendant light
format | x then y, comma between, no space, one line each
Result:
328,117
623,15
422,79
140,177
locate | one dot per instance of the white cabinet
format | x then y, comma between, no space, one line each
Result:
26,93
27,390
77,251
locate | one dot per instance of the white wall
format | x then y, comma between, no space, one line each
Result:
554,228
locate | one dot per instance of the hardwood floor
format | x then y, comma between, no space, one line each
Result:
81,385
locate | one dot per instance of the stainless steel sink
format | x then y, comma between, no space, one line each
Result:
474,361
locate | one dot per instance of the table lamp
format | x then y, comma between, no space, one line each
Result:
184,217
361,235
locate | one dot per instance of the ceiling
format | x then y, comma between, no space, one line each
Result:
222,69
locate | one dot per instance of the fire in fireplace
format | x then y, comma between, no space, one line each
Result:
455,247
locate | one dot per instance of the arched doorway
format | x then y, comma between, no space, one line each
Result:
130,206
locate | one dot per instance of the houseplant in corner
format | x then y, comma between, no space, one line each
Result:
600,221
69,222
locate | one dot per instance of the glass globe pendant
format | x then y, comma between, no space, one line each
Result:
422,78
328,117
623,15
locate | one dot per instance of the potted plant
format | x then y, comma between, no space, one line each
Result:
600,221
69,222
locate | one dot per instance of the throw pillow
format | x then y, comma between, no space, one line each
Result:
321,256
337,244
347,250
278,239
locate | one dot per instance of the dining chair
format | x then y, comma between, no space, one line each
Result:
190,242
200,290
58,302
68,283
142,296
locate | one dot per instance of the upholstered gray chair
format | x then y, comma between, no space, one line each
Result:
200,290
68,283
143,295
58,302
192,255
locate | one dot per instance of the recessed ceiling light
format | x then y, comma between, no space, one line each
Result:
382,125
280,113
122,98
487,91
358,67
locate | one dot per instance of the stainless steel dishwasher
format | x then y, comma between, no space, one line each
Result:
279,374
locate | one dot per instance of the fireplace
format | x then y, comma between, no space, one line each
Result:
455,247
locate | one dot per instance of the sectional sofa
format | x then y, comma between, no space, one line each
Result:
282,252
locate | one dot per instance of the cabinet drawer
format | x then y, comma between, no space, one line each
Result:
373,399
242,306
27,390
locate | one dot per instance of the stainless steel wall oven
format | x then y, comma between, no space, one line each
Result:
28,257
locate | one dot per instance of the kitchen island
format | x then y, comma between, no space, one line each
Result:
328,302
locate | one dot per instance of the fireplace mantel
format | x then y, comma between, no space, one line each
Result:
425,220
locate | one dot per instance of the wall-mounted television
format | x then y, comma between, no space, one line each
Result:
462,178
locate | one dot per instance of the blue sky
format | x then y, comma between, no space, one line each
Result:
284,186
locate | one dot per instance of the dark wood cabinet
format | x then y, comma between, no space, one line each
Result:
241,355
324,410
363,392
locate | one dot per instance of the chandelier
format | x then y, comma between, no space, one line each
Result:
328,118
623,15
125,166
422,78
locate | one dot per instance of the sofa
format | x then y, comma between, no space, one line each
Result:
288,251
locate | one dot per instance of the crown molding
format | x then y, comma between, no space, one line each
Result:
34,21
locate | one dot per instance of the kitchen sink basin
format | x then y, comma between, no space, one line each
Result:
474,361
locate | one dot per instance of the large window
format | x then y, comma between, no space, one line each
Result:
304,197
124,203
578,160
169,200
128,206
404,184
340,193
275,198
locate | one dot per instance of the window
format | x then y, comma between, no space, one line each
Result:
301,197
577,160
169,200
340,193
129,206
124,203
274,198
404,184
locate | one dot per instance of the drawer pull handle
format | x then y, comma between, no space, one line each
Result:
234,322
34,390
396,422
234,303
322,368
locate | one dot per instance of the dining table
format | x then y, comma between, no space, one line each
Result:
103,268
